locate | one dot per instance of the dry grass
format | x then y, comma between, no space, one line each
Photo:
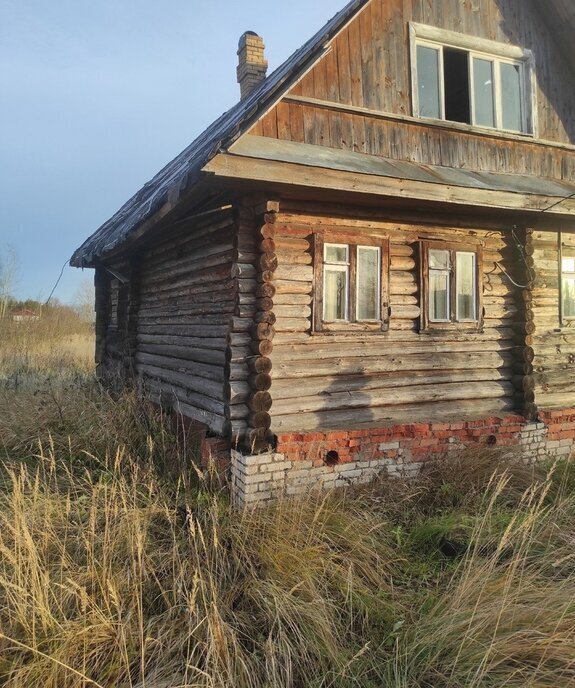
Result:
120,565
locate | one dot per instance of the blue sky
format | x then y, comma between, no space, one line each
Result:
98,96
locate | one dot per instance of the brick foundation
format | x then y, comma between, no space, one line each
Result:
339,458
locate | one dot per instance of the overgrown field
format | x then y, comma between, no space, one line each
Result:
123,566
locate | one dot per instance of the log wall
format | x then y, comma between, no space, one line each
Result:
351,380
553,342
187,299
114,319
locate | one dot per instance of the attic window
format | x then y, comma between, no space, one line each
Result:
462,79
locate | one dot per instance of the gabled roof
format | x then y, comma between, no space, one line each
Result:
178,176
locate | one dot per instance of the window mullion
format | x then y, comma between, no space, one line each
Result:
471,79
497,94
441,83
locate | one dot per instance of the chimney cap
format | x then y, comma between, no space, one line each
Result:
247,34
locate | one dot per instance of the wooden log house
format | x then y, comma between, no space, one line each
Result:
370,259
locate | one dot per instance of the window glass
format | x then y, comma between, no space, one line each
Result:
483,92
439,259
511,96
568,286
368,271
335,293
439,296
465,286
335,253
568,291
428,81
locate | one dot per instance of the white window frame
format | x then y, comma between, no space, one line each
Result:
337,266
563,275
442,271
378,307
452,322
475,287
497,53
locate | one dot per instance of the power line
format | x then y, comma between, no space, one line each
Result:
57,283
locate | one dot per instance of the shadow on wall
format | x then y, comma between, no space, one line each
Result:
347,405
552,72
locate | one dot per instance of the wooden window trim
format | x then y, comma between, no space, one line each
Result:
421,34
564,320
319,326
431,326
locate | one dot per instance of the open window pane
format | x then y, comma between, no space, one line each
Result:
456,80
511,96
483,92
428,81
568,295
368,271
438,296
335,253
465,286
335,294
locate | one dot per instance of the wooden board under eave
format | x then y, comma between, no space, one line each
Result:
322,381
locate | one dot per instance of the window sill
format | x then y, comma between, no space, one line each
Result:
477,129
440,328
351,328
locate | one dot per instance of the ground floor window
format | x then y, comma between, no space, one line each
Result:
350,283
450,285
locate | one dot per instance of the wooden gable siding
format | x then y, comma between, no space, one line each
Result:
186,301
553,343
334,381
368,67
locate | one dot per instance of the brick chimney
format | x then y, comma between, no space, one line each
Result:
252,64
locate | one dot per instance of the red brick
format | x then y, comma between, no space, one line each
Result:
313,437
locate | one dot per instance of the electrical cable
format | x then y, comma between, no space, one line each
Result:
57,283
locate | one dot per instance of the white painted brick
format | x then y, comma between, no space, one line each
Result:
282,465
293,475
352,474
342,482
294,490
344,467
